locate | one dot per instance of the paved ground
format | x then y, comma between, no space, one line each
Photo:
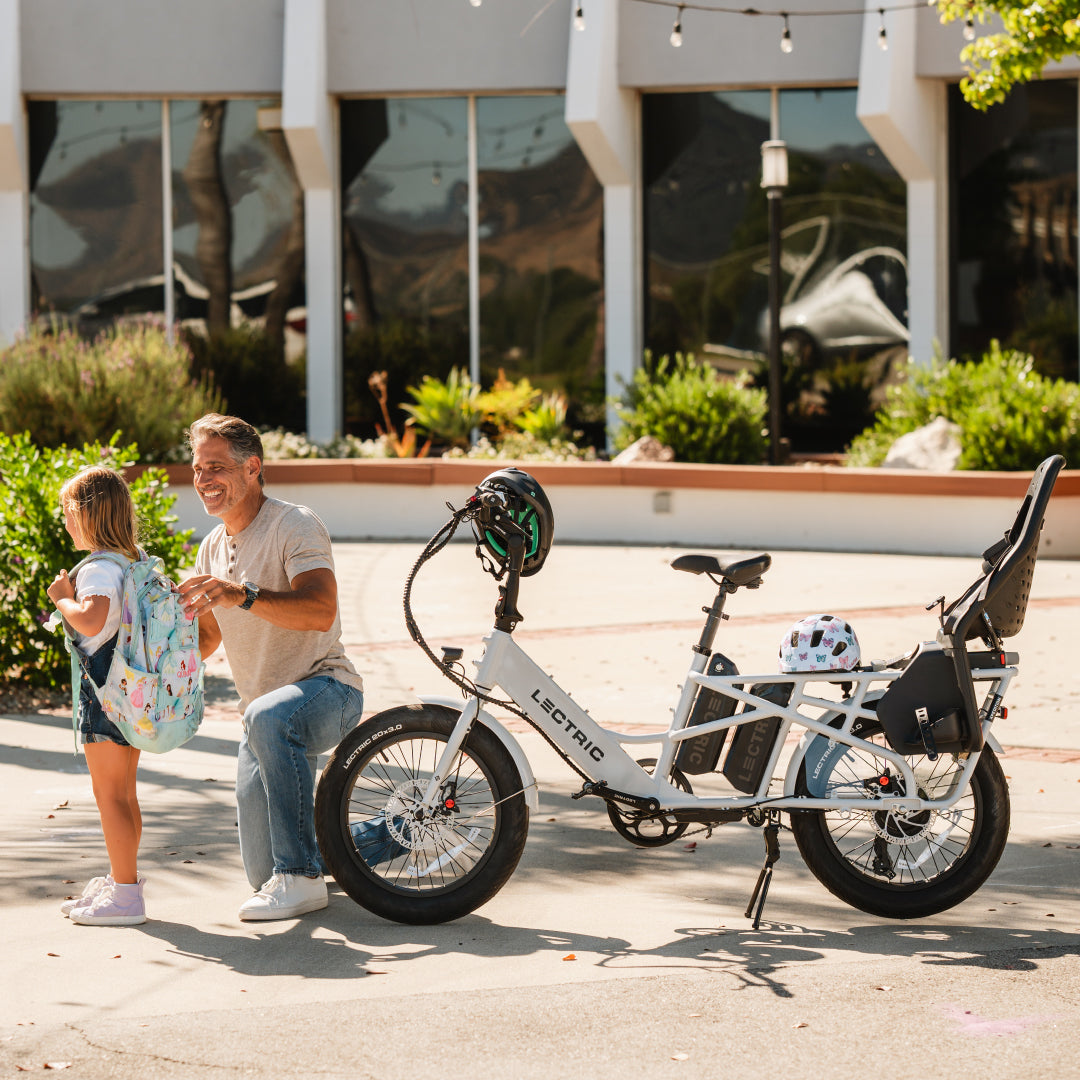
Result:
596,958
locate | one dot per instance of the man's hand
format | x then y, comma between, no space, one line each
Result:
310,603
202,593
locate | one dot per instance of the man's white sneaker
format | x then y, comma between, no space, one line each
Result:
284,896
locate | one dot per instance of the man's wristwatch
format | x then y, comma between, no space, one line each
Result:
252,595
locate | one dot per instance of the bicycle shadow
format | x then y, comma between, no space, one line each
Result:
361,945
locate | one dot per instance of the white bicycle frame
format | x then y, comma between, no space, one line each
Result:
598,752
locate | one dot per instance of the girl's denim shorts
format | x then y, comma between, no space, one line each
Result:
94,725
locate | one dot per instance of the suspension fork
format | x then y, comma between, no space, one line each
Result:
454,743
493,652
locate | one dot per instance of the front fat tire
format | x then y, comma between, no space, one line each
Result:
839,858
457,860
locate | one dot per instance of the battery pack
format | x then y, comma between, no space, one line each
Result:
700,754
752,744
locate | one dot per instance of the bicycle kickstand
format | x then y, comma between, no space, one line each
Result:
772,855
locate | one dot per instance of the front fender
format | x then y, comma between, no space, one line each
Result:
528,781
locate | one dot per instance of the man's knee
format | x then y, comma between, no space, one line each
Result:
266,722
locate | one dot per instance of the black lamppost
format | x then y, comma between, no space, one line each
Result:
774,178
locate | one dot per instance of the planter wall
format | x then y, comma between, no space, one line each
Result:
716,507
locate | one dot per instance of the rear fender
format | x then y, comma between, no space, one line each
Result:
528,781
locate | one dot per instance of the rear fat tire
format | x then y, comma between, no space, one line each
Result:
450,863
939,859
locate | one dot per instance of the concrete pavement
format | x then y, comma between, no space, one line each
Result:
596,957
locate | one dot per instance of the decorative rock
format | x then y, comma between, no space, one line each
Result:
935,447
647,448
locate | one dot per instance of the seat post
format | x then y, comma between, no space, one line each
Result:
713,617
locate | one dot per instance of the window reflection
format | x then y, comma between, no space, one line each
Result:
95,209
405,239
541,211
844,278
238,221
1014,224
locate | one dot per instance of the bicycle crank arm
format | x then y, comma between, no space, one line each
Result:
601,790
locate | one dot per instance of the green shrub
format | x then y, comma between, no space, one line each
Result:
447,411
252,374
1010,417
521,446
405,350
701,416
502,405
66,391
545,421
34,546
281,445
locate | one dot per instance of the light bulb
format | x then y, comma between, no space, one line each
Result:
676,30
882,40
969,29
786,44
476,3
579,19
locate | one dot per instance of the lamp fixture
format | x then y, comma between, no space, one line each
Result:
676,30
882,40
579,18
786,44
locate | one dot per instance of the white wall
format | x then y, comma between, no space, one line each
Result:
149,47
712,520
393,46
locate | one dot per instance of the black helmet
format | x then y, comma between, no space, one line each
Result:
523,500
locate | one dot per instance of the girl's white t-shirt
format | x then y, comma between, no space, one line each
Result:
100,577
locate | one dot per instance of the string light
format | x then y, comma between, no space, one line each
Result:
969,28
579,18
786,44
676,30
882,40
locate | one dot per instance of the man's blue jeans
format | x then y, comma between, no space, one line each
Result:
284,733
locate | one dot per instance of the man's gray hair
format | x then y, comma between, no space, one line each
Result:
244,441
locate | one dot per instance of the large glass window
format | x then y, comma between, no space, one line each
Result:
405,203
238,220
844,276
1014,224
541,214
95,209
405,235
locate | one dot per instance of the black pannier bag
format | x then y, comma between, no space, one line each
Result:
922,712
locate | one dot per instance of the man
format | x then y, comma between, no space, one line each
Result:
264,587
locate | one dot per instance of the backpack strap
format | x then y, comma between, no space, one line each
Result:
77,667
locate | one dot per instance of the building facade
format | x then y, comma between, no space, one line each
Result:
538,187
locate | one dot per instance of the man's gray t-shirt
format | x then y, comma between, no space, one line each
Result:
283,541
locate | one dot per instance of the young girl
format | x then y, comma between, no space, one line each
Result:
100,516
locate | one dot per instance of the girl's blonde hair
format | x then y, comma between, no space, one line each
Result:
100,501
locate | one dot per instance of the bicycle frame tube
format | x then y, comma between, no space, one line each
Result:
598,752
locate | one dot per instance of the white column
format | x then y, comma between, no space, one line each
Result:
605,120
309,120
14,189
906,116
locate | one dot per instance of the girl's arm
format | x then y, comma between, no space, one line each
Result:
85,616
